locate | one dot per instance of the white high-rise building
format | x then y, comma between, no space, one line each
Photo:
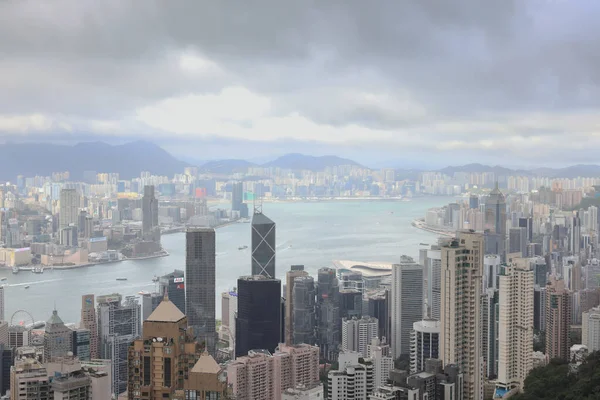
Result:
406,303
590,335
357,334
425,344
382,361
2,316
460,338
69,208
515,336
432,269
491,267
352,380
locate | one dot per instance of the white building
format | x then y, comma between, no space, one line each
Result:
383,363
424,344
590,327
304,393
515,336
491,268
352,380
357,334
406,303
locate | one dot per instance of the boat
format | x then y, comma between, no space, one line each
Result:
3,279
38,270
15,270
143,292
423,244
121,279
242,247
27,287
155,279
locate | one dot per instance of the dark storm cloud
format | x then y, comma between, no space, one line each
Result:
430,75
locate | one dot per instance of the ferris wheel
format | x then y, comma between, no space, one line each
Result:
26,319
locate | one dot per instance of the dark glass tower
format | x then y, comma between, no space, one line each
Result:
175,285
304,322
258,322
263,245
150,214
328,314
200,284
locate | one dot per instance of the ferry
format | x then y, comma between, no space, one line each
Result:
15,270
242,247
27,287
3,279
143,292
121,279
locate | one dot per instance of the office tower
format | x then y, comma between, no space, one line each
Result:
517,242
18,336
575,234
80,340
381,358
328,314
290,276
491,268
149,212
378,307
460,342
351,303
29,379
357,334
206,380
57,338
352,380
432,273
406,303
150,301
539,308
590,329
200,282
163,354
89,322
304,306
7,360
118,326
263,245
2,316
258,323
495,212
174,284
558,319
515,333
540,271
69,208
425,343
237,199
474,201
489,331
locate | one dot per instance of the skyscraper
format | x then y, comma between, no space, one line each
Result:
89,322
558,319
149,212
200,282
406,303
174,284
460,341
163,355
357,334
328,314
258,323
290,276
425,344
237,199
2,318
69,208
263,245
515,333
590,335
57,338
495,219
304,321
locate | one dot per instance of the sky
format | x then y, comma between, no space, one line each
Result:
414,83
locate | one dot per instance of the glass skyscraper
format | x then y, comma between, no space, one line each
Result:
263,245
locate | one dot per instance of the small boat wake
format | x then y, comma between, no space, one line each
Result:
32,283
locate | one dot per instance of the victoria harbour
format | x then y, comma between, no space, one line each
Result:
309,233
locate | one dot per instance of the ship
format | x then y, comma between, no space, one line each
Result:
15,270
121,279
242,247
143,292
3,279
27,287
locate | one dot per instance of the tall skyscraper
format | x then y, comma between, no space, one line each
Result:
290,276
258,323
378,307
200,291
174,284
357,334
515,333
118,326
489,335
406,303
460,341
163,355
69,208
303,310
89,322
495,218
517,241
263,245
237,199
149,212
328,314
2,316
57,338
432,267
558,319
425,344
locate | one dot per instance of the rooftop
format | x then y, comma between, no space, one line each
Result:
206,365
261,219
166,312
368,269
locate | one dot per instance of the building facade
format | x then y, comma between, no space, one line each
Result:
558,320
357,334
290,277
58,339
424,344
89,322
263,245
303,310
406,303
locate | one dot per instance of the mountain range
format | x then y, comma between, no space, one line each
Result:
129,160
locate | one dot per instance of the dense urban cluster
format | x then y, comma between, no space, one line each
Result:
511,284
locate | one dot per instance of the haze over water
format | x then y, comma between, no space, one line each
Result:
312,234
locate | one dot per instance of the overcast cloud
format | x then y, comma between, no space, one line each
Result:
413,83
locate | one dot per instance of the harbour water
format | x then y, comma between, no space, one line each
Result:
309,233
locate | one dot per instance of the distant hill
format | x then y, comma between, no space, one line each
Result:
226,166
471,168
582,170
297,161
129,160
